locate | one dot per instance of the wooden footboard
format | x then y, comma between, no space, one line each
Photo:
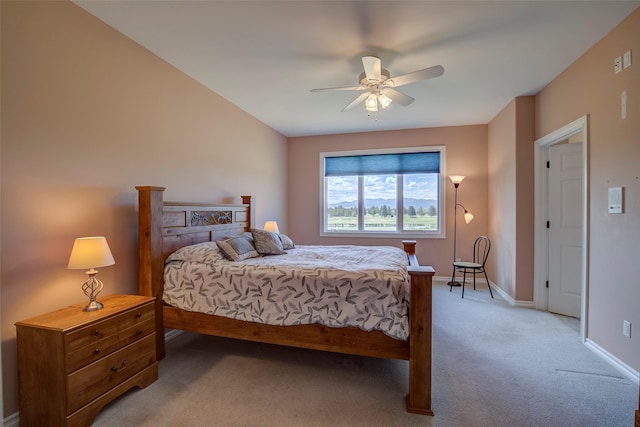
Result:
165,227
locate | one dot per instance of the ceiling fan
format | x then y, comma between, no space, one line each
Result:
379,86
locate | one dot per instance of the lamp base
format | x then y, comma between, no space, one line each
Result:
93,306
91,289
454,284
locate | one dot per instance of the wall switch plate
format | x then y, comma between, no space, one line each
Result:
617,64
616,200
626,328
623,105
626,59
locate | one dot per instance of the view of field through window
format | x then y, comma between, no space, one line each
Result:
380,199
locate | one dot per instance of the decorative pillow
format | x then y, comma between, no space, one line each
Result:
238,248
246,234
287,243
267,243
207,252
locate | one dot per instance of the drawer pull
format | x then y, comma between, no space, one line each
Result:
121,368
139,332
96,351
138,315
95,332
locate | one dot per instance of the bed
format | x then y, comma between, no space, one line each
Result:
164,228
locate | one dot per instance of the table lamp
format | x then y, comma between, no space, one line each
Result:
90,253
271,226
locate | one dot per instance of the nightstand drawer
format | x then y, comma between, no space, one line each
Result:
101,376
91,335
137,316
91,352
137,331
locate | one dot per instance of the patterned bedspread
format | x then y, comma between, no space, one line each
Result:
359,286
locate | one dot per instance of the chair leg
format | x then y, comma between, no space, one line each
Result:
464,280
488,284
453,279
474,279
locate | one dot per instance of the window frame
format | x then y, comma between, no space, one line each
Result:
438,234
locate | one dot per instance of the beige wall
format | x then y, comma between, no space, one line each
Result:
590,87
88,114
510,170
525,135
502,195
466,154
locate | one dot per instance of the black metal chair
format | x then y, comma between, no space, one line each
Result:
481,249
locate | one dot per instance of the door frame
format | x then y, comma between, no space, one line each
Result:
541,241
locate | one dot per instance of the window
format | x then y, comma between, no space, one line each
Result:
382,192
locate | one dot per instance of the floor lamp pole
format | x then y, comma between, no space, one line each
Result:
455,233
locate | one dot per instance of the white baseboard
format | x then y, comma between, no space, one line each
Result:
495,288
12,420
511,300
171,334
624,369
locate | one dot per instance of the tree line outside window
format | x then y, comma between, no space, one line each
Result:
384,211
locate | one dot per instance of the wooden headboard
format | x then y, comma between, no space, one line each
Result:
164,227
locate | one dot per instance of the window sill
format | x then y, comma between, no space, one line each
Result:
378,235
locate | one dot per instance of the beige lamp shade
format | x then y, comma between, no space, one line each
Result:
456,179
468,217
271,226
90,252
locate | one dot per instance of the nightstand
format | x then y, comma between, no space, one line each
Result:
71,363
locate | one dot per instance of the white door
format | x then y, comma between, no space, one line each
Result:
565,227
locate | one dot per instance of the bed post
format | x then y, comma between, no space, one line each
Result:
419,398
251,219
151,262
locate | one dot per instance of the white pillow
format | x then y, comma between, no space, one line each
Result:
287,243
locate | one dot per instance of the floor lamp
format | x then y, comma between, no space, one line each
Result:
457,179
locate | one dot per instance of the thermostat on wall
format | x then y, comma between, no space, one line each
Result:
616,199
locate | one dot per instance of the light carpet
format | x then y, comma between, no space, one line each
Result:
493,365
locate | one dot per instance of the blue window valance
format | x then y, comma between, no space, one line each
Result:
383,164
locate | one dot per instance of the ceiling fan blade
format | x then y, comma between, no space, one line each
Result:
356,101
426,73
372,67
397,96
333,89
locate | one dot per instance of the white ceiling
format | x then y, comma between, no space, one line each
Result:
265,56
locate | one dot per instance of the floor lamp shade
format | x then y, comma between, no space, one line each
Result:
456,179
467,216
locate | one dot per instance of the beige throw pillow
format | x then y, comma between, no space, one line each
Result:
267,243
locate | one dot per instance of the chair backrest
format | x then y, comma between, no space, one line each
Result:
481,249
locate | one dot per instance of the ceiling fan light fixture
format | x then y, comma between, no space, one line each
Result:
384,100
376,82
371,104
